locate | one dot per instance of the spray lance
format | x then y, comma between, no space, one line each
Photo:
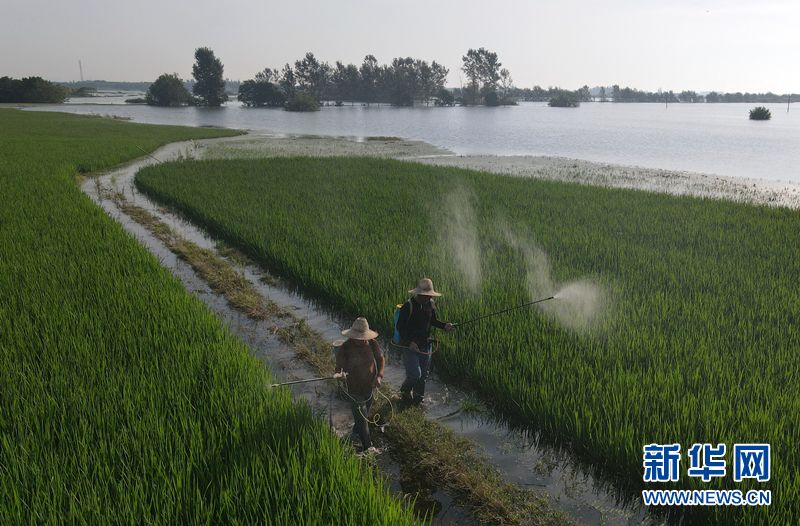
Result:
336,376
501,312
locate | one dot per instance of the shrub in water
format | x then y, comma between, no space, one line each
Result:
760,113
302,102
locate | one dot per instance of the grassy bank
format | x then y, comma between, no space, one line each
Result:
123,399
692,333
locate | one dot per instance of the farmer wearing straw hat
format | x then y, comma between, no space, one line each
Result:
414,325
361,361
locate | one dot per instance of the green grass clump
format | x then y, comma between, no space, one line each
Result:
699,339
123,400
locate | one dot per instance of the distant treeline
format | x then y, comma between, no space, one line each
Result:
404,82
617,94
102,85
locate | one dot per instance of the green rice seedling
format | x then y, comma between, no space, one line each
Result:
695,340
123,399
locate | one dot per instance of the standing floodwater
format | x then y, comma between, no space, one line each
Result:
714,139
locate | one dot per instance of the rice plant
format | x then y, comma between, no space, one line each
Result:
696,341
123,399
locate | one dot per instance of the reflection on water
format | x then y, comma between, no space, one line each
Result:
708,138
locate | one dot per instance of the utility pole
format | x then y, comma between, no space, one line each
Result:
80,66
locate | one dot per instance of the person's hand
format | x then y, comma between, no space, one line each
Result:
448,327
379,380
414,347
341,375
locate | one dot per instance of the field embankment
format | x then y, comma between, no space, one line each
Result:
675,318
123,399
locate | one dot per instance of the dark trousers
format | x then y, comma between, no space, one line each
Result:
360,406
417,366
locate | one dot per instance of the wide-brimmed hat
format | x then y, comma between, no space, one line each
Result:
425,288
360,331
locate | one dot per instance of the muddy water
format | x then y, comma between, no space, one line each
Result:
516,454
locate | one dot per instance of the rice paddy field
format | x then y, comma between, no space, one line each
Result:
675,319
123,399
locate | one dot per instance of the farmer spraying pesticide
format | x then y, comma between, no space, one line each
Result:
414,322
360,363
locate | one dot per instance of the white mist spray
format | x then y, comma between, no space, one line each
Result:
459,235
578,305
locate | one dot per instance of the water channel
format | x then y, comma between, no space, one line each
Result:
517,454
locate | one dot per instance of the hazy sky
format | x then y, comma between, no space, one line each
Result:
703,45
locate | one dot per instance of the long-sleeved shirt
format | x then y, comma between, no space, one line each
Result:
363,362
416,327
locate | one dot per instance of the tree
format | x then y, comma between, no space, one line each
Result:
302,102
288,81
690,96
603,94
345,82
507,83
31,89
268,75
168,90
760,113
565,99
369,73
445,98
312,75
209,85
584,95
483,70
403,82
438,77
260,93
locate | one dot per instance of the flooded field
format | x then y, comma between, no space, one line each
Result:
516,453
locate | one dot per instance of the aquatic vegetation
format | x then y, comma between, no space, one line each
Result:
123,399
675,318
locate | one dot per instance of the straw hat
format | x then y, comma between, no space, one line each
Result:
425,288
360,331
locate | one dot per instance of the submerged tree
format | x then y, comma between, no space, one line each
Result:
31,89
483,70
312,75
760,113
565,99
302,102
260,93
209,84
168,90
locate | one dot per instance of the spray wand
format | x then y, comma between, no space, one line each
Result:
502,311
334,377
